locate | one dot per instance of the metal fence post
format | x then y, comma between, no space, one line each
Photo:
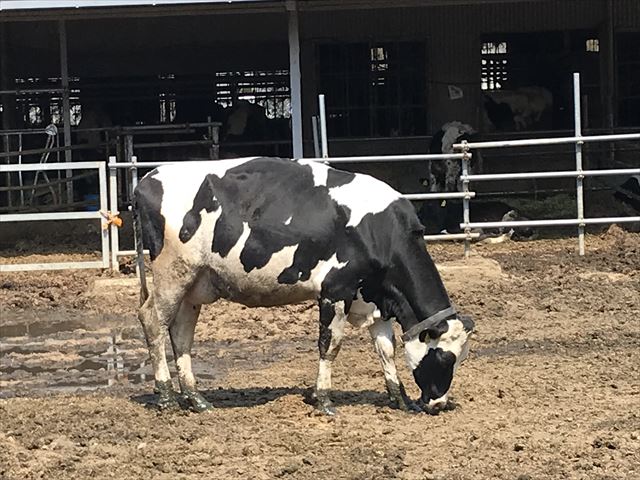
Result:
579,177
104,205
323,127
113,207
465,200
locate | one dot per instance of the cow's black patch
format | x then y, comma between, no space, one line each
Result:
434,373
337,178
280,204
148,203
277,199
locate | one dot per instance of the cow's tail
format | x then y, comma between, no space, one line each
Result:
137,233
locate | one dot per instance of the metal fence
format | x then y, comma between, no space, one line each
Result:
579,174
57,216
134,165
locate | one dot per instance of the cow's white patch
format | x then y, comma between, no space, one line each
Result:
415,350
288,221
180,184
320,171
363,195
382,334
454,340
363,314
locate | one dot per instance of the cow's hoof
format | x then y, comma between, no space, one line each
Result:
407,406
327,408
167,397
196,402
325,405
399,398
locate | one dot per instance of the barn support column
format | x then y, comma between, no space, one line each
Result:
294,79
66,103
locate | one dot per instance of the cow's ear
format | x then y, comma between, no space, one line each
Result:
433,332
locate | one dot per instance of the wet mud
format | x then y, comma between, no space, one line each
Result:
551,388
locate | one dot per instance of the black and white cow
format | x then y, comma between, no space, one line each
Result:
444,175
271,231
628,194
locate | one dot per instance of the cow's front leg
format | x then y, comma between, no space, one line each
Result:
155,332
181,332
332,320
384,342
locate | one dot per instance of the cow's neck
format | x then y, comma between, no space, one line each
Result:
418,293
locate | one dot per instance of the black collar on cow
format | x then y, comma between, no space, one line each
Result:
428,322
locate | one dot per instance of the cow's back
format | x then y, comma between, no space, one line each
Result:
266,230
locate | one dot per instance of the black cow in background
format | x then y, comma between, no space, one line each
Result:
628,194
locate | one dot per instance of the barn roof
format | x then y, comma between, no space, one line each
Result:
51,4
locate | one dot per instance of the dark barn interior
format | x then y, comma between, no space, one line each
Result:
392,76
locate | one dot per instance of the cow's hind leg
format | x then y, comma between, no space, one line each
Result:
332,321
154,324
181,332
384,342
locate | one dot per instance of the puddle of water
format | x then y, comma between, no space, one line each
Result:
112,353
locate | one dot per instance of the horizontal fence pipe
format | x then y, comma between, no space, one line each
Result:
40,186
551,223
35,217
34,167
389,158
31,267
450,236
141,164
129,253
181,143
383,158
549,141
39,151
560,174
438,196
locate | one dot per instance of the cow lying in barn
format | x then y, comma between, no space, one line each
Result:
270,231
445,216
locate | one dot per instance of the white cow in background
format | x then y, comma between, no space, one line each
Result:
520,108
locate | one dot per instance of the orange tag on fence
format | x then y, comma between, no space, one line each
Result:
111,219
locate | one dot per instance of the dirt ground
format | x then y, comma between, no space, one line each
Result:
551,388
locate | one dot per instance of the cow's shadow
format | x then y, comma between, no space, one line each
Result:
251,397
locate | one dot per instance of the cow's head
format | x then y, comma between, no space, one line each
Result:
434,355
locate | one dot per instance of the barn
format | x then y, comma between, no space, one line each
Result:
550,385
392,73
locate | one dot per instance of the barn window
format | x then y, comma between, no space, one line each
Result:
537,68
167,98
494,72
267,88
592,45
374,89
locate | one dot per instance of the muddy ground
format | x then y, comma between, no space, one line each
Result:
551,389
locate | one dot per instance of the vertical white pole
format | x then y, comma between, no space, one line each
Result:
323,127
113,207
465,200
316,136
580,178
104,206
294,79
66,102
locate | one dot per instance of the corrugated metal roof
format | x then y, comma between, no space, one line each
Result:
52,4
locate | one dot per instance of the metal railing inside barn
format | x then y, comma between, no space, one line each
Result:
56,216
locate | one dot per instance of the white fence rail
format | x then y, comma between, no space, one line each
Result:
579,174
134,165
53,216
